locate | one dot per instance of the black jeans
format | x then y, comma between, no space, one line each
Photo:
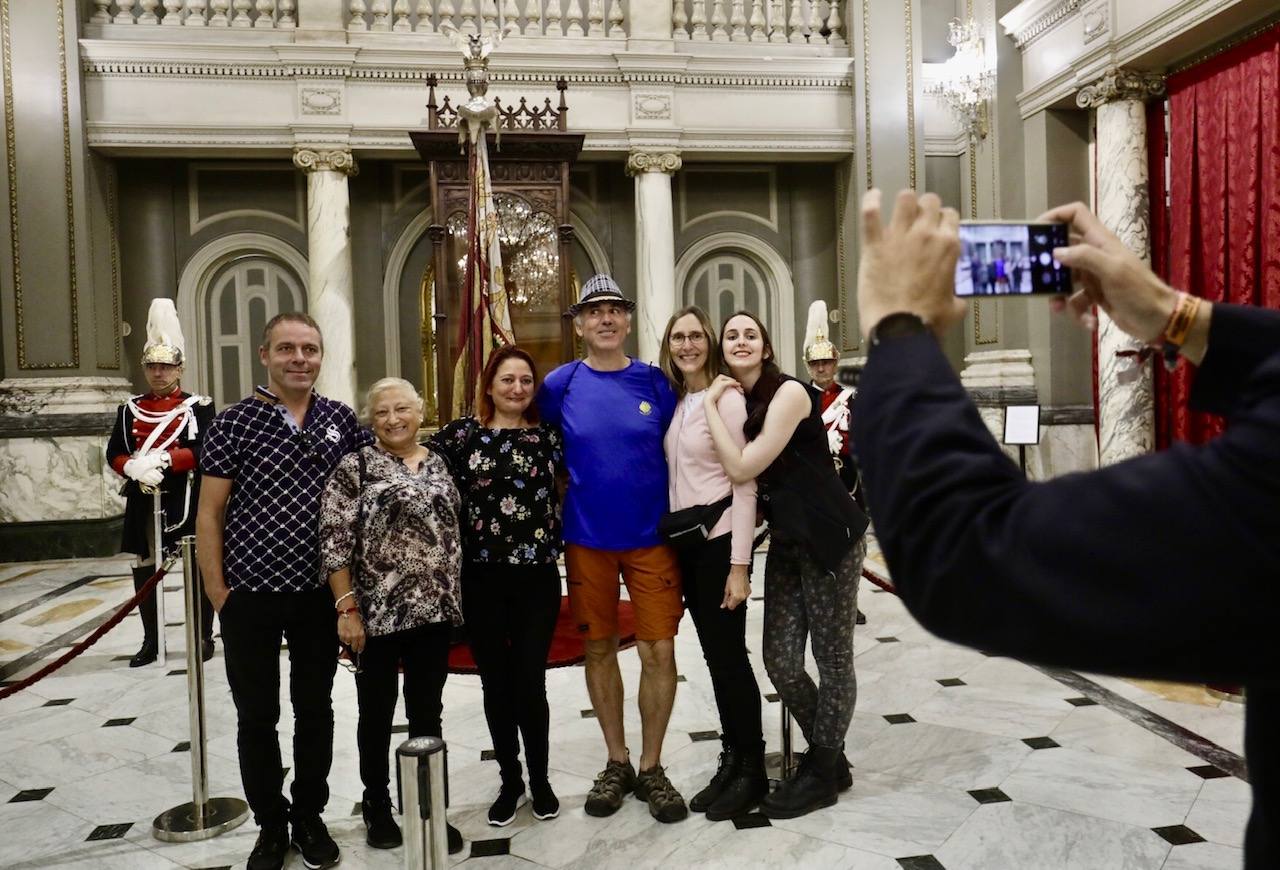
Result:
723,634
424,653
252,626
511,613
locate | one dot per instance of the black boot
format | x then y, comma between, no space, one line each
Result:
147,611
727,770
844,772
814,786
382,830
747,787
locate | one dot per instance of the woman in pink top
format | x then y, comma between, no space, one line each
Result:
716,572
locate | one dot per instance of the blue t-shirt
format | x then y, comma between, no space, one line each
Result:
613,423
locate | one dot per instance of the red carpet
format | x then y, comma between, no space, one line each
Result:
566,644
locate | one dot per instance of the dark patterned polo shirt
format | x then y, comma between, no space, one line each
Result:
271,540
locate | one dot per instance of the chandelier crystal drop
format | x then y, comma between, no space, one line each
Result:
530,250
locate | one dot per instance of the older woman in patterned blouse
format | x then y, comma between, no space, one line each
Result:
391,549
506,464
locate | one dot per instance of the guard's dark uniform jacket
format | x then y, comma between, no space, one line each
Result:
181,486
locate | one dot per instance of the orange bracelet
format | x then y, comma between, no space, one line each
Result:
1180,321
342,614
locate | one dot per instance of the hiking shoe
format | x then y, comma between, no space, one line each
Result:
510,797
545,803
271,848
381,830
665,803
611,786
312,840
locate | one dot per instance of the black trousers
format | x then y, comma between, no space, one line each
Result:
253,624
723,635
424,652
511,613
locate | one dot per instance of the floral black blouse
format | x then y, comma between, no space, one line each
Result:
409,565
507,477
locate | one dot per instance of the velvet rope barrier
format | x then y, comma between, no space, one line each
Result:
92,638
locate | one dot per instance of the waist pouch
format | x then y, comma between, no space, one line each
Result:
685,529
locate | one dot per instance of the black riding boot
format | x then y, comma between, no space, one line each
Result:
726,771
744,790
147,610
814,786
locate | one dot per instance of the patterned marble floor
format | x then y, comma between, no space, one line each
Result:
961,760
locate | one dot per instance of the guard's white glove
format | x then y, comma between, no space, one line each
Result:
152,477
148,468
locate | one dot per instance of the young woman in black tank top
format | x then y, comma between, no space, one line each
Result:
814,561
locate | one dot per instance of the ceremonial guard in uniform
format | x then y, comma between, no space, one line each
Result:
155,446
820,356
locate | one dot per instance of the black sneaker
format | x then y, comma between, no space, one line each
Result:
611,786
665,803
545,803
382,832
271,848
510,797
313,842
726,770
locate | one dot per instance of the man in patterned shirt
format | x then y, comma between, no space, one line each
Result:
265,462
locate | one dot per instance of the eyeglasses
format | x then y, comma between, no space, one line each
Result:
693,338
349,659
310,445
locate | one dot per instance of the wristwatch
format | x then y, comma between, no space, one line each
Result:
897,324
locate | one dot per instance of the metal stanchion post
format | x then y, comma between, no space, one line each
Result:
788,752
157,551
423,774
203,817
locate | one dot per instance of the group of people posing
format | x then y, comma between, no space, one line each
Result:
316,530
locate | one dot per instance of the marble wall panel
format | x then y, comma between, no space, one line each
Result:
57,478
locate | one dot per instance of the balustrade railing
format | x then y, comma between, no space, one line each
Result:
796,22
256,14
591,18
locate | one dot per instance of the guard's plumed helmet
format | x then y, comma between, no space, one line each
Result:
164,335
816,345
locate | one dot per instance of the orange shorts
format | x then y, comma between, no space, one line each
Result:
652,575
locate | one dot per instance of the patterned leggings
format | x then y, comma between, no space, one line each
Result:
801,599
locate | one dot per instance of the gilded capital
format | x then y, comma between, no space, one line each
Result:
326,161
653,161
1120,84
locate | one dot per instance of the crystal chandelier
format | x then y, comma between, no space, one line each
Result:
966,83
530,250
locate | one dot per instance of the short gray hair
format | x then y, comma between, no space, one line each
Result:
385,385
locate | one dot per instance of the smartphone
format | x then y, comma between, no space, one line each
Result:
1011,258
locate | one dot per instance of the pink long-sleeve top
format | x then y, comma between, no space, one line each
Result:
697,477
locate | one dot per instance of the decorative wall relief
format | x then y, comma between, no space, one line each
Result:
651,107
320,101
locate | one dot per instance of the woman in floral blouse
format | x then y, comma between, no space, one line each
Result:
505,464
390,546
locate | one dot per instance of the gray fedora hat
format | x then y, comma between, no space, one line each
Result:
600,288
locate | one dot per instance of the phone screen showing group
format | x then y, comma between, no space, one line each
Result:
1011,259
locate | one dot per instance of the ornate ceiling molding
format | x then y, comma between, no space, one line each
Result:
1037,20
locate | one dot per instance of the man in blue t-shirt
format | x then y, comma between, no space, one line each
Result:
614,411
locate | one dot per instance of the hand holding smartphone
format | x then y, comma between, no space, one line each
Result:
1011,258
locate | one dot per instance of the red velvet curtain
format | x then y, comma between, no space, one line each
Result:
1222,240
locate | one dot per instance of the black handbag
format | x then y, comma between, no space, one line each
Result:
685,529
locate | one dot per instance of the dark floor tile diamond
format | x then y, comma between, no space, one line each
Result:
989,796
1178,835
121,658
109,832
285,771
184,746
487,755
920,862
898,718
30,794
1208,771
1040,742
681,678
59,702
588,714
752,820
357,809
757,598
114,723
489,848
951,682
887,639
1082,702
219,867
403,728
772,697
176,672
699,736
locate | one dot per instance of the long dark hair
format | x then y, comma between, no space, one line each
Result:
771,378
484,413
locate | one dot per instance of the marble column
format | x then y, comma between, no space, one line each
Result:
1126,412
655,247
330,298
